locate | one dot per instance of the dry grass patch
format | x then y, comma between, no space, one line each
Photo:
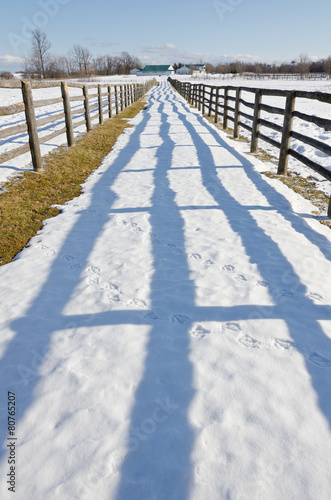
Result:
27,200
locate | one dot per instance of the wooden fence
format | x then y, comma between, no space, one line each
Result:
216,101
118,97
267,76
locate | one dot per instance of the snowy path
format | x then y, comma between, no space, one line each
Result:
168,336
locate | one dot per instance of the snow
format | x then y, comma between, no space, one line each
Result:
168,335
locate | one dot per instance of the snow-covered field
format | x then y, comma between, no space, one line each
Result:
12,96
168,335
308,106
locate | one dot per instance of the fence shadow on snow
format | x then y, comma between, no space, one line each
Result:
172,442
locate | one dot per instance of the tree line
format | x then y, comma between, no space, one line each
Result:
79,62
302,65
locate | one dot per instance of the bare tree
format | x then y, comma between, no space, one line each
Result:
68,63
327,65
303,65
39,55
83,58
109,61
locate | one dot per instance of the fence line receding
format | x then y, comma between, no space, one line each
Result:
109,103
220,101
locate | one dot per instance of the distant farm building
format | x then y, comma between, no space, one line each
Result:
192,69
155,70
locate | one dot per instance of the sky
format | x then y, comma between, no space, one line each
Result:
187,31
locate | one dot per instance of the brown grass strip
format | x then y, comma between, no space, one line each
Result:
27,200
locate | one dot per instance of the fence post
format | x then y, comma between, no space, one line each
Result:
110,111
126,96
67,112
121,97
203,98
256,120
286,135
116,100
100,104
217,98
237,114
210,100
32,126
225,114
87,109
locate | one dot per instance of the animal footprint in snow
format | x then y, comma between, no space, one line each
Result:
141,304
135,227
68,258
75,266
174,248
240,277
319,360
235,327
249,342
285,293
151,316
47,251
284,344
93,281
195,256
290,345
94,269
114,295
228,268
314,296
265,284
200,331
180,318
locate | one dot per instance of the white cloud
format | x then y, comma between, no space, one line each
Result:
160,49
10,59
169,53
10,62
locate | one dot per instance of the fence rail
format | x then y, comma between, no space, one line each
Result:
115,99
216,101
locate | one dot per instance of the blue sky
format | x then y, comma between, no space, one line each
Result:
171,31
